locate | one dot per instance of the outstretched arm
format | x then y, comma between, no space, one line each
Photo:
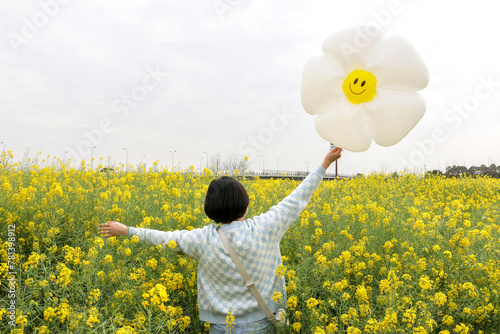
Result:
187,241
112,229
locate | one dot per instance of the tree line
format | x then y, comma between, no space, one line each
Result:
230,164
475,171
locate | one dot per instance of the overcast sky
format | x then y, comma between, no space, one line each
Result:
223,76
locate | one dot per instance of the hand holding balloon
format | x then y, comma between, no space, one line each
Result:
331,156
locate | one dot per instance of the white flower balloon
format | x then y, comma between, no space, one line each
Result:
364,87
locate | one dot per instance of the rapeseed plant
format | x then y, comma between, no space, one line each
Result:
376,254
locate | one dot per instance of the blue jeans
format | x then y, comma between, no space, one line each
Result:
258,327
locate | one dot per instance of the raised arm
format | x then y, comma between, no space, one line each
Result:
279,218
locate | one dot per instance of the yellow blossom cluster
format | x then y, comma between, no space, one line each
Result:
375,254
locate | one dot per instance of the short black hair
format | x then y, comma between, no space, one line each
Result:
226,200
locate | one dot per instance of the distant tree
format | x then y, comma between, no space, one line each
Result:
483,170
451,171
216,163
231,164
474,171
492,171
435,172
456,171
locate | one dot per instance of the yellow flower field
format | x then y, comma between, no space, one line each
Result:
376,254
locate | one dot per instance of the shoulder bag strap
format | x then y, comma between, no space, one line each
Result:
248,281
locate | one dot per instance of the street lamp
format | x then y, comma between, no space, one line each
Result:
231,163
64,157
126,159
262,163
277,169
142,165
207,158
173,159
92,157
4,157
307,166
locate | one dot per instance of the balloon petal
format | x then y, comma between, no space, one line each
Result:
352,47
345,125
392,115
397,65
321,84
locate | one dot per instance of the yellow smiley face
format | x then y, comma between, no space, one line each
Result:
360,86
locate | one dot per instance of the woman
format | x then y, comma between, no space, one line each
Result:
221,289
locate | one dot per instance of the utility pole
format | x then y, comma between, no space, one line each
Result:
173,159
207,158
126,159
4,156
92,157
